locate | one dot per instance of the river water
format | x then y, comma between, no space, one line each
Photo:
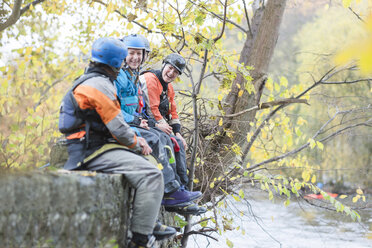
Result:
268,224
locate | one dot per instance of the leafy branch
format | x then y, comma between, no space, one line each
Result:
17,12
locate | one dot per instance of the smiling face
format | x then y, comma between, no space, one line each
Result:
169,73
134,58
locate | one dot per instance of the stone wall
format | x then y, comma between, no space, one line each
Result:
63,209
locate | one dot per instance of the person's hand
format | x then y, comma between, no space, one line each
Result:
165,128
178,135
144,124
146,149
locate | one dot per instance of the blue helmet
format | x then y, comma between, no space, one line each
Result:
145,42
109,51
133,41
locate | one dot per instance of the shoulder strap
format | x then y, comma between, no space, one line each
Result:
85,77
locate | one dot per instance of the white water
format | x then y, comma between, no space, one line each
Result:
297,226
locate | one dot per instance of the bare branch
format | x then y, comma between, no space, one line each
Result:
202,232
267,105
44,93
223,23
358,16
329,74
121,14
338,132
183,32
248,21
348,82
27,7
220,18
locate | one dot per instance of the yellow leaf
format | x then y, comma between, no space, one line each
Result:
196,180
236,198
220,97
240,93
31,7
110,7
359,191
28,51
346,3
301,121
240,36
342,196
130,25
160,166
284,148
312,143
211,185
320,145
313,180
220,122
356,198
284,81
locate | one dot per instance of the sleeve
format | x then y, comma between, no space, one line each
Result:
176,128
99,94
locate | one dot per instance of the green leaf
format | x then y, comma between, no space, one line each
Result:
200,19
229,243
312,143
271,196
204,223
236,198
241,194
179,221
320,145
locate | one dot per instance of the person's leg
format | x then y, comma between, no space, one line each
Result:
181,197
171,184
165,140
144,177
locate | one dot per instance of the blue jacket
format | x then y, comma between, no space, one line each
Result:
127,92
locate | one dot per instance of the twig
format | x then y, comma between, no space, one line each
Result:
220,18
223,23
267,105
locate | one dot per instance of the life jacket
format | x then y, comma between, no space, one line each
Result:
129,93
164,105
74,120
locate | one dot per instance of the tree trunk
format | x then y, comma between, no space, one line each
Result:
257,52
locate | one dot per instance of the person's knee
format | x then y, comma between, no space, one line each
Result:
155,176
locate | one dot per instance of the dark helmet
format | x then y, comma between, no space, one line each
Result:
145,42
133,41
176,60
109,51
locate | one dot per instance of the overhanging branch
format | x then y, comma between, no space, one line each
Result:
17,12
267,105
